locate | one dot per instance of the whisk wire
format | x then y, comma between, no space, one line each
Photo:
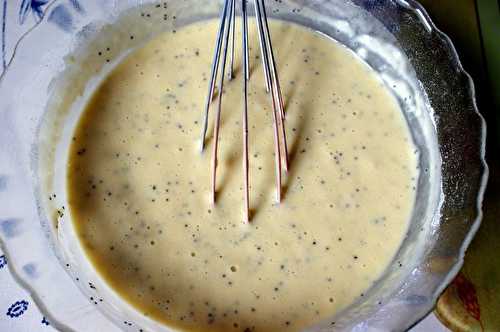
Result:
219,107
245,37
270,84
225,37
276,85
246,216
263,50
213,74
273,62
232,25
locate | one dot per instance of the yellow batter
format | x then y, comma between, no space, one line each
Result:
139,188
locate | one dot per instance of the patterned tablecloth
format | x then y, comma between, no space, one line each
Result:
18,312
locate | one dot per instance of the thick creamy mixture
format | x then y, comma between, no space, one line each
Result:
139,188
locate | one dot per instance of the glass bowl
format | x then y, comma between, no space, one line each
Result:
59,62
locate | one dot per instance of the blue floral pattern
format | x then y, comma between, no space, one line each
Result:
61,16
4,18
26,6
16,16
33,6
17,309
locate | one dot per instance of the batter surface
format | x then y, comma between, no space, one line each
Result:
139,188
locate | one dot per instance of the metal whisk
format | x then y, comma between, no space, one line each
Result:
225,35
